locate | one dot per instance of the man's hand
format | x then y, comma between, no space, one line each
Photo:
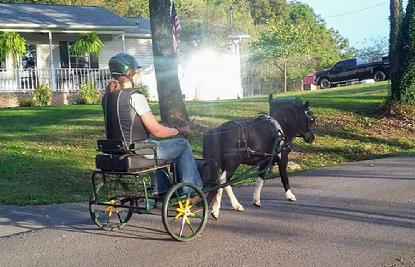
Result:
185,131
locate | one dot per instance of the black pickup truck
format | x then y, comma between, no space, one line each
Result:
354,69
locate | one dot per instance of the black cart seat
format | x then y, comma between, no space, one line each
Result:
117,157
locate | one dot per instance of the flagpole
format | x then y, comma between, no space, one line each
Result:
175,24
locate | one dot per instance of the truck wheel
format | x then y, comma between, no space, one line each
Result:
324,83
379,76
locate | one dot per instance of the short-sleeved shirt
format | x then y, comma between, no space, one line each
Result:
139,104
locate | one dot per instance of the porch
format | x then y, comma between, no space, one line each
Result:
59,79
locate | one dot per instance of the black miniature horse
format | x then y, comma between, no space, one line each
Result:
255,142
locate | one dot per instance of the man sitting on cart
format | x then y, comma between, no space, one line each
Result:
129,117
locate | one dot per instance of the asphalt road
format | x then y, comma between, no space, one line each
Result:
360,214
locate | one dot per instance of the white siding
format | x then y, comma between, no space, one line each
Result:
139,48
110,48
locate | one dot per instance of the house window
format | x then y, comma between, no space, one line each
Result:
78,61
2,65
29,58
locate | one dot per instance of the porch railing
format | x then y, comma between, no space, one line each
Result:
65,79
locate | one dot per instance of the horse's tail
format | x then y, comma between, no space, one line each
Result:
212,148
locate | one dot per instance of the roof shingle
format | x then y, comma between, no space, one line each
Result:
60,16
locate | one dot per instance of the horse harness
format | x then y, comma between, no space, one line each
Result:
280,144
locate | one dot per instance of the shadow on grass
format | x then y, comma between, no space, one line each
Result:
364,139
46,177
60,125
29,119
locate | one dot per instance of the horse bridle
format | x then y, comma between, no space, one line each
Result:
311,119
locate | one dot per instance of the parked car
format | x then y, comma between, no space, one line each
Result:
354,69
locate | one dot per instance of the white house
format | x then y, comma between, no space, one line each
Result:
51,29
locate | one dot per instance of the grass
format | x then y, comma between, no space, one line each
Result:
47,153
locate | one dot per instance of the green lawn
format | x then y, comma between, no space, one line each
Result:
47,153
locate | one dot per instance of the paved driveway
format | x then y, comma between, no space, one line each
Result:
359,214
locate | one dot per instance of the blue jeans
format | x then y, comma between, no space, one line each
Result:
179,151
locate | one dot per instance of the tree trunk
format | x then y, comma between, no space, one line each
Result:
172,107
394,46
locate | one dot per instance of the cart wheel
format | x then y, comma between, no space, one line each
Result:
102,210
185,211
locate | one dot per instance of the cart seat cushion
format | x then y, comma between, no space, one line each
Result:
123,163
144,148
118,147
112,146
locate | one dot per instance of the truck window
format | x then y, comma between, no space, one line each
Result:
350,64
339,65
360,61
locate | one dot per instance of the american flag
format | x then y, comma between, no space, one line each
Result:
175,22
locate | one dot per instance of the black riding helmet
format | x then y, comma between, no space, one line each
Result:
121,63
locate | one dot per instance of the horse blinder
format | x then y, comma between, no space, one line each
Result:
310,119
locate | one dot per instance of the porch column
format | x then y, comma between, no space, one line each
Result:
238,68
52,67
123,42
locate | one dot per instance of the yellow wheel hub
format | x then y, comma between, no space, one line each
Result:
111,209
184,211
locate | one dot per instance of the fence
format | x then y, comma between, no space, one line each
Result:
62,79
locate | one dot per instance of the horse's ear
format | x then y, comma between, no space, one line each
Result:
306,105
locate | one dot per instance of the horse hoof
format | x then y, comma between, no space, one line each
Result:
215,215
290,196
257,205
240,208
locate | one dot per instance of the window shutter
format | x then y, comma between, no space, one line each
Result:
94,62
64,54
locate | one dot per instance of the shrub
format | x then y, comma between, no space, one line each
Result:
42,94
27,102
406,72
88,94
144,89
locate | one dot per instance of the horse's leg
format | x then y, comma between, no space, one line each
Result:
234,201
257,193
230,169
282,167
216,202
258,186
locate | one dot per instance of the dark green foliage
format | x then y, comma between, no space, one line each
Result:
27,102
407,59
263,10
11,44
88,94
144,89
42,94
87,44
